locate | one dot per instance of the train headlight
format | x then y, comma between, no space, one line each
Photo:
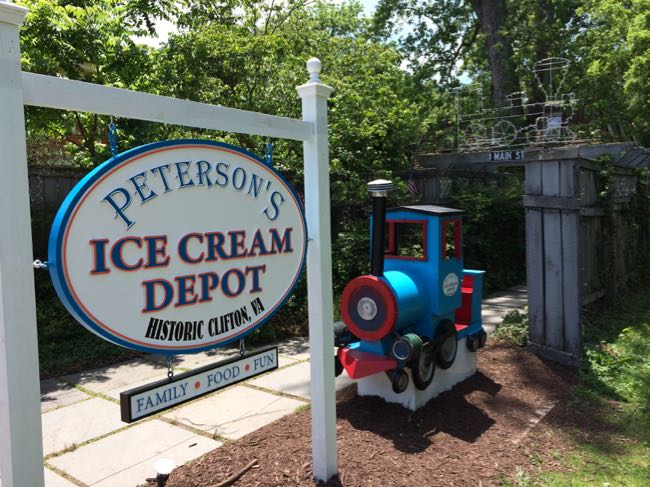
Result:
369,308
406,347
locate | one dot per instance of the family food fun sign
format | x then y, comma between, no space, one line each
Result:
178,246
149,399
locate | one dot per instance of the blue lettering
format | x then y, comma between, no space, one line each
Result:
237,244
150,297
255,288
99,256
203,173
118,259
279,246
140,185
255,188
241,171
182,248
209,282
182,174
225,283
215,246
161,398
162,175
184,289
258,244
154,250
222,173
275,205
120,207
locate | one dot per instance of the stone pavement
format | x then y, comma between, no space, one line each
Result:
86,444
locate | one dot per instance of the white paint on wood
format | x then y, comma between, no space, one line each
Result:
65,94
314,96
21,453
412,398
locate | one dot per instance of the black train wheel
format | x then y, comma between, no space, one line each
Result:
338,366
423,367
482,338
448,347
473,343
399,379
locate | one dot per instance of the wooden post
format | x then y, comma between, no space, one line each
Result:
535,255
553,295
553,259
21,451
314,96
571,260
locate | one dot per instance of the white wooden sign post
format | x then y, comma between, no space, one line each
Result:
20,422
21,451
314,96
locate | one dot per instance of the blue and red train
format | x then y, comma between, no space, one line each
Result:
417,303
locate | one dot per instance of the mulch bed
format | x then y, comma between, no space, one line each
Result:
477,434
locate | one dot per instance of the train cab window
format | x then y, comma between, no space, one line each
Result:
451,246
406,240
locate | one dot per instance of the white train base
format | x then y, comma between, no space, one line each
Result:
412,398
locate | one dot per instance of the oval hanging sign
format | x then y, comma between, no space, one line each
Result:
178,246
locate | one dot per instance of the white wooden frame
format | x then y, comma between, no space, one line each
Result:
20,420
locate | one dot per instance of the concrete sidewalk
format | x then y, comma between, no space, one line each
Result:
498,305
85,443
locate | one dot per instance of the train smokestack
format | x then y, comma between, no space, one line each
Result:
378,189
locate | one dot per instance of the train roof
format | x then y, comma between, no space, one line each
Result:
429,210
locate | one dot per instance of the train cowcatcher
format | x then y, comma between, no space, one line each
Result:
418,305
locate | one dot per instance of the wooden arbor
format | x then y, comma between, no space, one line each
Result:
565,255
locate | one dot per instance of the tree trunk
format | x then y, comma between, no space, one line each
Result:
544,16
492,16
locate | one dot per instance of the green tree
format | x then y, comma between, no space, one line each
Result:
256,63
498,41
87,40
614,52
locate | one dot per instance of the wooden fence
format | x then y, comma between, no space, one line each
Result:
583,241
610,240
48,186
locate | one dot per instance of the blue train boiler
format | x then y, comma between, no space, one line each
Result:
418,301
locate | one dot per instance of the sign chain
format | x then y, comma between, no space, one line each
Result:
242,347
38,264
112,137
268,153
170,366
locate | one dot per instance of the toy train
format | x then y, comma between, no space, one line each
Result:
417,303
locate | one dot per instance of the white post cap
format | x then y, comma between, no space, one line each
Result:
314,87
313,68
11,13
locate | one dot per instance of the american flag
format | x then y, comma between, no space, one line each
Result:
412,184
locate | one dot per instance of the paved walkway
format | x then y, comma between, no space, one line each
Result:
86,444
500,304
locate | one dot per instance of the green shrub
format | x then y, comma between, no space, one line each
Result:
513,330
494,234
